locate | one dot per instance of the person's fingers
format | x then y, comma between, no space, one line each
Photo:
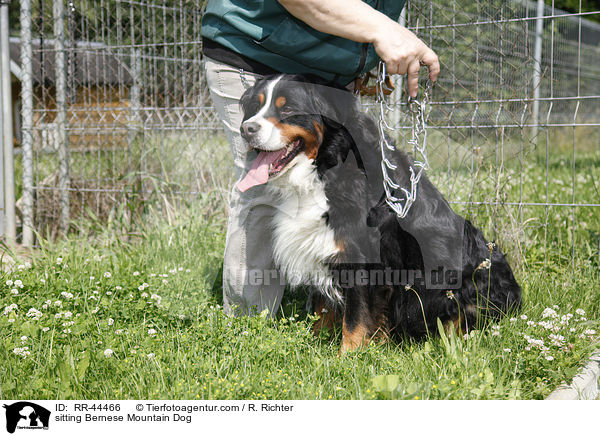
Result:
413,78
431,60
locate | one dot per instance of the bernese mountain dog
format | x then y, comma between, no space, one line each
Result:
372,272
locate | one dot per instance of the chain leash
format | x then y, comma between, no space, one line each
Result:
419,111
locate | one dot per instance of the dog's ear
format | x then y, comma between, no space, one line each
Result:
338,105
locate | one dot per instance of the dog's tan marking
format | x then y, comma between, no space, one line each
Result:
290,132
457,324
280,102
261,98
319,128
353,340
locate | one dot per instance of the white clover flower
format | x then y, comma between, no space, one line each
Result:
107,275
549,358
136,273
165,282
42,281
589,332
513,320
14,291
549,313
59,260
188,270
9,283
150,355
19,284
58,315
68,323
580,312
11,320
45,329
495,333
108,292
96,310
119,331
133,351
486,264
245,333
22,351
523,317
67,295
10,308
152,274
507,350
144,294
34,313
110,321
156,297
152,332
163,275
108,353
58,303
66,331
68,314
118,288
527,348
24,338
531,323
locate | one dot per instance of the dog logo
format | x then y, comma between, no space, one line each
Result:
26,415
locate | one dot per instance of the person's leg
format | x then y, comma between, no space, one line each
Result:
250,279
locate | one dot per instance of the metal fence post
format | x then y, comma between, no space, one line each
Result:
61,114
2,212
27,122
537,65
7,128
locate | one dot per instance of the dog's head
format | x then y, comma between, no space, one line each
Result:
285,120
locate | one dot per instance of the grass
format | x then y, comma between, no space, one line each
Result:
138,315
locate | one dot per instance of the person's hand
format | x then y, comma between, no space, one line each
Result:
404,53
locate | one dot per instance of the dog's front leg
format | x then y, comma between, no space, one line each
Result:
357,323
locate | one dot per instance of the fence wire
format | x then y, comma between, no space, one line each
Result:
121,115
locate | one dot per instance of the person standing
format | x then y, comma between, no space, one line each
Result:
243,40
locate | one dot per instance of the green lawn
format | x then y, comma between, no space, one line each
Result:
111,315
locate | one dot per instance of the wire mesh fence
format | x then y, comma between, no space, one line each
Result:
119,116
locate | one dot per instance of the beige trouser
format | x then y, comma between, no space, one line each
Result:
251,283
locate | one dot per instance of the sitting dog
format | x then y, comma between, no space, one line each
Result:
334,232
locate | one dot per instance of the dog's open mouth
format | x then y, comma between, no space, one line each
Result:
269,164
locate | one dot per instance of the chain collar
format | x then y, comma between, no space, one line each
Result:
419,111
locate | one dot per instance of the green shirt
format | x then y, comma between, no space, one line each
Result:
264,31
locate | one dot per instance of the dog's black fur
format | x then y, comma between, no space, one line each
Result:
348,161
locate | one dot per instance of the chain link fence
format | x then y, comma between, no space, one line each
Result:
116,116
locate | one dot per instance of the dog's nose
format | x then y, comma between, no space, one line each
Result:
249,129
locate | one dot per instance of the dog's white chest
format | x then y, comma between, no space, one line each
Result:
303,242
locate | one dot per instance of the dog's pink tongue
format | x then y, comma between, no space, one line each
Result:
259,172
